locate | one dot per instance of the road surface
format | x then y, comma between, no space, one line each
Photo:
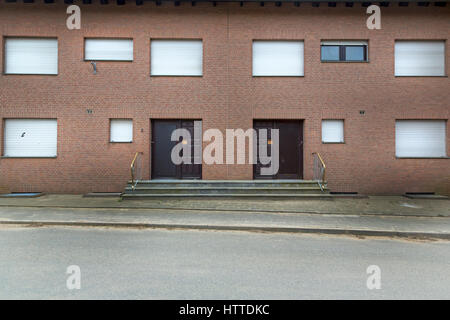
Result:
173,264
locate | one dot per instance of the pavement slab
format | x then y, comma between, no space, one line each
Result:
372,205
434,227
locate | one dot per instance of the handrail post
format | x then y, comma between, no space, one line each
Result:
322,178
132,168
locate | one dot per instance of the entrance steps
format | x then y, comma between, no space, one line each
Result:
277,189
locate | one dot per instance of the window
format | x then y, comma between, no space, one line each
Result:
31,56
108,49
419,58
278,58
333,131
420,138
350,51
30,138
176,58
121,130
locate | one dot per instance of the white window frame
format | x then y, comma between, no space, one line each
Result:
27,56
340,121
399,70
6,152
156,58
121,122
128,56
261,69
442,154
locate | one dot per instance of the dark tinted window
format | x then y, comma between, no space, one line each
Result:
344,52
330,53
354,53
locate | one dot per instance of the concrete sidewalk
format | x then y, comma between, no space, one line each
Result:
360,225
372,205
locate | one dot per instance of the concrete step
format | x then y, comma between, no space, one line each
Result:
322,196
224,190
226,183
254,189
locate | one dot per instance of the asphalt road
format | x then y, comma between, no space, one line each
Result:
174,264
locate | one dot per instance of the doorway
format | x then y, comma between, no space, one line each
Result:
162,166
290,148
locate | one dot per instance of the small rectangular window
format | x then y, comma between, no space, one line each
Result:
330,53
121,130
333,131
31,56
355,53
30,138
108,49
420,138
176,58
278,58
420,58
350,51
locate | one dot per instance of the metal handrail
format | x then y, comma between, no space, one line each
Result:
133,165
319,176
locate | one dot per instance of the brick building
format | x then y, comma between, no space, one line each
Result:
76,105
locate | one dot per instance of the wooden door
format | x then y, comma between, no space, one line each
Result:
290,148
162,165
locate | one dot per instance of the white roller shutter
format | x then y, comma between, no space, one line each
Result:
108,49
278,58
420,138
419,58
121,130
30,138
176,58
333,131
31,56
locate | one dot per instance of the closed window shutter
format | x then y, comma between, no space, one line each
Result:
176,58
121,130
278,58
420,138
30,138
109,49
420,58
332,131
31,56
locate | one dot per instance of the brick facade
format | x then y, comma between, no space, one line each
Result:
226,96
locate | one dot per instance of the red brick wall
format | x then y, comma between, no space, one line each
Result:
227,96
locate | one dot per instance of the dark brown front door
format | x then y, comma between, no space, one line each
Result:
162,165
290,148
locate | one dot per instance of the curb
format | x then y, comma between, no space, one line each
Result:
354,232
227,210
